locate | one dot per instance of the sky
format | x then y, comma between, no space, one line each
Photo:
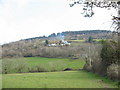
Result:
20,19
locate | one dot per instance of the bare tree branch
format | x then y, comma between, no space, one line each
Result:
89,4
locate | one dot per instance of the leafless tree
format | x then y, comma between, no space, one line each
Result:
89,4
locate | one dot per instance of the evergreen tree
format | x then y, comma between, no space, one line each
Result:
90,39
46,42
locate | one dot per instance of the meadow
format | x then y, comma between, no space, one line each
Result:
68,63
53,74
40,64
63,79
83,40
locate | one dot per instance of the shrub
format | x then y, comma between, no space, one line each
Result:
38,68
14,65
109,52
56,66
106,61
112,71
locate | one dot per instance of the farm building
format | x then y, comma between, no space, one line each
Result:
59,43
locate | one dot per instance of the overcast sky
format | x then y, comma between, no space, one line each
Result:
20,19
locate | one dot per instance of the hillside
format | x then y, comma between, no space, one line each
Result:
32,47
94,53
96,34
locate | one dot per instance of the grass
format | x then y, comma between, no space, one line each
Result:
61,79
55,64
40,64
68,79
83,40
77,40
68,63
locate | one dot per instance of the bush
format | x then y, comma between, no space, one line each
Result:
17,65
109,52
14,65
112,71
38,68
56,66
106,61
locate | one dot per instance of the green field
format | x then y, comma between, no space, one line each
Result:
83,40
59,62
40,64
67,79
77,40
58,79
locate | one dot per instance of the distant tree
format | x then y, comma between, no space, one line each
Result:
60,42
52,35
44,36
46,42
58,34
90,39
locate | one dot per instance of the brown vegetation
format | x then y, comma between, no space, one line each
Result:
106,62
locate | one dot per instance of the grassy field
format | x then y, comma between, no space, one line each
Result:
70,63
77,40
40,64
59,79
66,79
33,61
97,40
